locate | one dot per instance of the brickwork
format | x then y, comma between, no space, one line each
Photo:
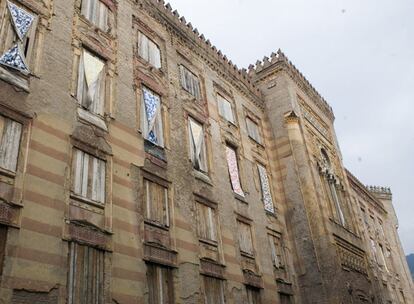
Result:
323,250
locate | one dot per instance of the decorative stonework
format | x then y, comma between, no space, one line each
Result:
252,279
351,257
85,233
8,213
156,254
212,269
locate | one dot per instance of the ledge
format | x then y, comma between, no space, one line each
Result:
15,80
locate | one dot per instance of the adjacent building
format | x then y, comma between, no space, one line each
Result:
139,165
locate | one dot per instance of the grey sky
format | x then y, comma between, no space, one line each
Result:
359,54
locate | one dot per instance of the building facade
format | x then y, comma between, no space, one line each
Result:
139,165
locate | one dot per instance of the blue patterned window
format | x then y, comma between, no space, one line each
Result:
17,36
151,117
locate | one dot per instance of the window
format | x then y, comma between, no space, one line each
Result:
88,177
10,135
213,291
253,130
160,284
206,222
156,203
3,239
96,12
225,109
285,298
149,51
151,117
233,167
197,145
381,228
190,82
253,295
266,192
383,262
18,31
276,249
86,275
365,217
337,201
91,83
245,238
374,250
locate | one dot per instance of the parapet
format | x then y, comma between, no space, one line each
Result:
278,58
380,190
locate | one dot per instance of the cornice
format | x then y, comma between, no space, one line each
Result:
202,47
364,191
277,62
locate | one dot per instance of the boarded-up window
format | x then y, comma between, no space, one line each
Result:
156,203
233,167
383,262
253,295
149,51
88,176
206,222
190,82
3,239
225,109
253,130
213,290
285,298
197,145
17,36
374,250
277,251
91,83
160,284
266,192
86,275
10,135
245,238
96,12
151,118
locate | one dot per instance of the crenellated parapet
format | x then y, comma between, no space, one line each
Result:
379,190
279,59
202,46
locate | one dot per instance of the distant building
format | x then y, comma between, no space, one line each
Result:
139,165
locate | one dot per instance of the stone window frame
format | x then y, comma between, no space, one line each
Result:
151,266
104,209
283,257
247,221
160,151
16,179
100,121
112,15
140,26
228,95
223,282
200,103
258,162
230,142
214,206
39,29
202,120
146,175
255,120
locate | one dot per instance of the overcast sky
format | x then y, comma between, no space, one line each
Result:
359,54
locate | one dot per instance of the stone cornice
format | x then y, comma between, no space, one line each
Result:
279,62
364,191
202,47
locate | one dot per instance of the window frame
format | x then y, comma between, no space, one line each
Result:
208,298
11,172
196,93
203,168
27,47
159,124
220,100
259,139
72,273
166,204
212,220
242,194
91,19
277,251
150,42
74,174
82,87
155,276
243,250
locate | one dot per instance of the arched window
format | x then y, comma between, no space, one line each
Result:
333,193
